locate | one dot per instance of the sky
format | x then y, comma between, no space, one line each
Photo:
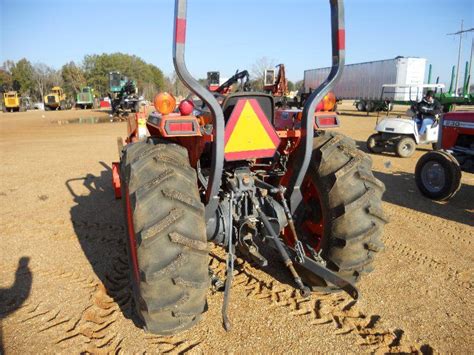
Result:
226,35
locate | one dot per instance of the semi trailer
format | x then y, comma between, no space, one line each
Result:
363,82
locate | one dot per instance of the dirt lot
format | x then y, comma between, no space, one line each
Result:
64,277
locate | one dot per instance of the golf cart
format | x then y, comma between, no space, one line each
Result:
401,135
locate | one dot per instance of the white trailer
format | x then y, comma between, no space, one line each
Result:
363,82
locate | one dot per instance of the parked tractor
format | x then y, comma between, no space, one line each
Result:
438,173
85,98
227,174
56,100
12,102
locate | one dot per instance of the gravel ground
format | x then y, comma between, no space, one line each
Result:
64,276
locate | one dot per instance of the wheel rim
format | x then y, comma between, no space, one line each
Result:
310,223
433,176
407,148
131,237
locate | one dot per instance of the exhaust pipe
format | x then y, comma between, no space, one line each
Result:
217,164
338,59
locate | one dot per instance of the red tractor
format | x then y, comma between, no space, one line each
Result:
226,173
438,173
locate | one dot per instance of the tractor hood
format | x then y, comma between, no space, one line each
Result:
396,125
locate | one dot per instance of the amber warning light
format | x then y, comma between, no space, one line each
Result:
164,103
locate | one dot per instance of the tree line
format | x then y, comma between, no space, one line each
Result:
35,80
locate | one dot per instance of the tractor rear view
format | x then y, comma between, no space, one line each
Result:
226,174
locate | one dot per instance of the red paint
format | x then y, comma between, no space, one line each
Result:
250,154
131,237
312,229
455,124
341,39
180,35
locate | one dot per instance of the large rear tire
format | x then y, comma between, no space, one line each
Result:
341,216
167,236
438,175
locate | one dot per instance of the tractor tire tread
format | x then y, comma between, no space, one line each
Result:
171,242
355,217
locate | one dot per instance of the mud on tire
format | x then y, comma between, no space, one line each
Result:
170,235
351,203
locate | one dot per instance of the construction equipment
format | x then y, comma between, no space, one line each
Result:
224,173
85,98
277,85
12,102
452,99
240,77
213,80
123,94
438,173
56,100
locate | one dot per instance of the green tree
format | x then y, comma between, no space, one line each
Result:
149,78
73,78
291,86
44,78
5,80
299,85
258,72
22,73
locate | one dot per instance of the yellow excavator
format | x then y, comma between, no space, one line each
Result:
56,100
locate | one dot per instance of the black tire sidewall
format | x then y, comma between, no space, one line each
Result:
452,173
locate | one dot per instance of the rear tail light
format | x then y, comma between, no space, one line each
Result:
325,120
179,127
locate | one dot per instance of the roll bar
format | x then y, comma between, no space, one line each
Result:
217,164
338,58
